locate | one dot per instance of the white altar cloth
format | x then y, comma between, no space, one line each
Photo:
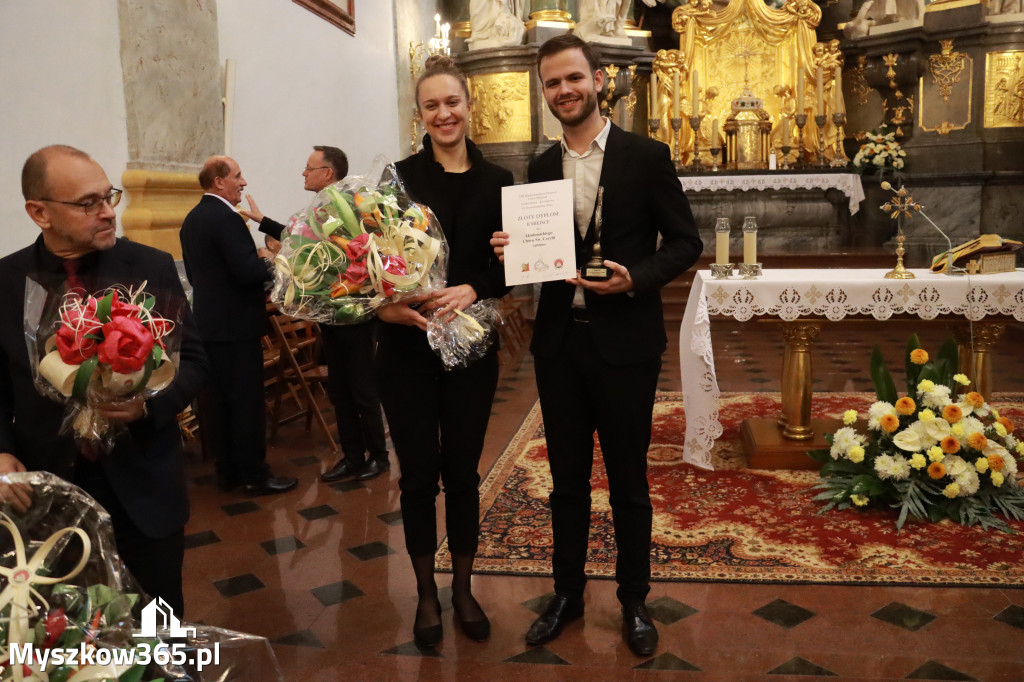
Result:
829,293
847,183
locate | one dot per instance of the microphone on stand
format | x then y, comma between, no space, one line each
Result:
886,185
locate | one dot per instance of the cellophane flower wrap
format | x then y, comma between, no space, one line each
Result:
63,586
462,337
86,351
932,454
361,243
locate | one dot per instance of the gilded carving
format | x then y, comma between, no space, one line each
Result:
632,99
858,83
946,68
501,107
1004,89
612,71
800,335
891,60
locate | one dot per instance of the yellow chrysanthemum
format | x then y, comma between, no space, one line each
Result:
859,500
958,430
995,462
889,423
1000,429
918,461
1020,448
936,454
997,479
936,470
981,464
906,405
849,417
950,445
925,386
974,399
995,413
952,413
951,490
1006,422
856,454
926,416
977,440
962,379
919,356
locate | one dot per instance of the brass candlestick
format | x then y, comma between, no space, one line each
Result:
677,141
819,121
838,161
715,151
653,124
785,149
695,125
801,121
899,272
902,204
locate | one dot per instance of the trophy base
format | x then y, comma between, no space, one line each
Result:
596,273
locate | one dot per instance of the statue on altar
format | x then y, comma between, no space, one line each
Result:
1005,6
494,23
881,12
604,21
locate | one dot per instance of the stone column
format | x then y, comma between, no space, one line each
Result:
173,106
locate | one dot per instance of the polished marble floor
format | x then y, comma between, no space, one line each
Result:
322,571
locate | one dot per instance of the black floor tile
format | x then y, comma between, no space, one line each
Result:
371,550
392,518
667,610
903,616
319,512
801,666
336,593
301,638
240,584
936,671
538,604
282,545
784,614
236,508
413,649
201,539
667,661
538,656
1012,615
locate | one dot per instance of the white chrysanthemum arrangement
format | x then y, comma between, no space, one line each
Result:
879,153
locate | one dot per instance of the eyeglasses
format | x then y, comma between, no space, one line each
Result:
93,206
310,170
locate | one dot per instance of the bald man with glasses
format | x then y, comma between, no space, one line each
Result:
141,482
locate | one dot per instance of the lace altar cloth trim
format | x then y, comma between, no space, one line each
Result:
847,183
833,294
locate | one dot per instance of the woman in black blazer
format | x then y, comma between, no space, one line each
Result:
438,418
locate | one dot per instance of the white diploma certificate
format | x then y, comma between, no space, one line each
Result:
540,222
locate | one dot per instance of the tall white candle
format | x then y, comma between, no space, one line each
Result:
714,132
696,93
675,94
838,94
820,90
750,248
654,95
801,84
722,247
785,131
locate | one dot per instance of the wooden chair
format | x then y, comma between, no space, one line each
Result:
300,375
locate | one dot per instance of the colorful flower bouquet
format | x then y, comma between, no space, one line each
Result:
359,245
95,350
70,612
881,153
932,454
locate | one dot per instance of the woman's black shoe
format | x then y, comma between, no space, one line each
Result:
476,630
428,636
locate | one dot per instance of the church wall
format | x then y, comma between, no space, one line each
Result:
60,82
300,81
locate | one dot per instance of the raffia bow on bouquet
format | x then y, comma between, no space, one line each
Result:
90,351
362,243
931,454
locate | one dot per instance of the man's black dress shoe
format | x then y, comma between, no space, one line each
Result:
373,469
638,630
344,467
271,485
560,612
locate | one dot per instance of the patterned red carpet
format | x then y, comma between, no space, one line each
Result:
737,524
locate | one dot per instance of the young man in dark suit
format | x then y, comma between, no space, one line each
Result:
598,344
141,482
228,275
348,351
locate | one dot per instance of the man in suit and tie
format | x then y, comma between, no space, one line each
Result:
348,352
141,481
228,276
598,344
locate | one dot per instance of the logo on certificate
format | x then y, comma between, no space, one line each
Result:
526,267
559,263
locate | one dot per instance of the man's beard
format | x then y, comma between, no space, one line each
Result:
586,109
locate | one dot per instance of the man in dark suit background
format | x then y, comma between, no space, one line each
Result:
228,277
141,482
598,345
348,352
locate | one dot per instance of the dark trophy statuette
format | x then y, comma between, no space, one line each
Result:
595,270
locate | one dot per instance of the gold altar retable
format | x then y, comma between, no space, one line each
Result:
748,43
